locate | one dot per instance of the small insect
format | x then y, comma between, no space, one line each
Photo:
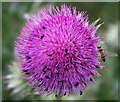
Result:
100,49
102,53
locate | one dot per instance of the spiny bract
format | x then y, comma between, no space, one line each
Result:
58,51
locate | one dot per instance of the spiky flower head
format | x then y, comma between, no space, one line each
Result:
58,51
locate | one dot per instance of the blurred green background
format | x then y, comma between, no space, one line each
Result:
13,20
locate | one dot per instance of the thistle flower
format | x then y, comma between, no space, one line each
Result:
58,51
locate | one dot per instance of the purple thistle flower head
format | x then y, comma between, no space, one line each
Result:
58,51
